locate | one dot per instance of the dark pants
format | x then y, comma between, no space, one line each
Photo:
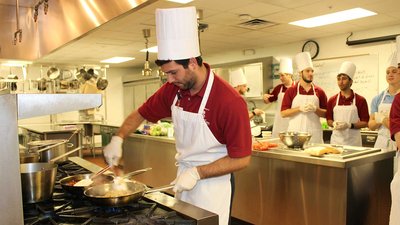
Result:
232,194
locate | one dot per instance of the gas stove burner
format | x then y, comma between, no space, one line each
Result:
67,209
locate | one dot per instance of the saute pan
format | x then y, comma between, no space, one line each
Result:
118,195
68,183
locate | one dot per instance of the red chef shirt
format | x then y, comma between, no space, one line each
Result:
361,104
276,91
292,92
395,116
225,112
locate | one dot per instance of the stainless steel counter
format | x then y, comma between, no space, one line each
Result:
287,187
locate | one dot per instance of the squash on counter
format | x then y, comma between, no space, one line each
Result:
264,145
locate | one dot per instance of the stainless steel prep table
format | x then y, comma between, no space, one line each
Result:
286,187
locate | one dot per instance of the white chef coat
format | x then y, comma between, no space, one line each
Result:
348,114
306,121
196,145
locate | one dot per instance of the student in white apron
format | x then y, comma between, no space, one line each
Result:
305,103
286,77
212,130
347,111
380,109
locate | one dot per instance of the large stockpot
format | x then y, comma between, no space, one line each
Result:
114,195
37,181
49,149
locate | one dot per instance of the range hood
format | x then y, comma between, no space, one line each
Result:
65,22
18,106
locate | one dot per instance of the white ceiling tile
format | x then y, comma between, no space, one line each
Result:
257,9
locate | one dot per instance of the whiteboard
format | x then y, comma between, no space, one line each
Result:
365,81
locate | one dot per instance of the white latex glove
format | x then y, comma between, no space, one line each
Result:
379,117
113,151
338,125
311,107
304,107
186,180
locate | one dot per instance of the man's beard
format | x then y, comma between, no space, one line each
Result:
305,80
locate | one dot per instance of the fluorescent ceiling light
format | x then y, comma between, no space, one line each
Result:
180,1
153,49
117,59
336,17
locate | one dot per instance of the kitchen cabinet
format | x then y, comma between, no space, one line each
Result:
137,92
256,71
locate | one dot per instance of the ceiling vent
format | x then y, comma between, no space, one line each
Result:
256,24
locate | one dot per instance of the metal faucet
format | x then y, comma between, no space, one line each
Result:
257,119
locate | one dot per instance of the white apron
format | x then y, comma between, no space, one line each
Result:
395,191
309,121
348,114
383,140
280,124
196,145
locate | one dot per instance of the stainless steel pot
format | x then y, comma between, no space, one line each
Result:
26,157
37,180
49,149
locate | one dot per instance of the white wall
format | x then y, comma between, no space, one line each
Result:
330,47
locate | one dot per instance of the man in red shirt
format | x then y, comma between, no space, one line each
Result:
286,77
347,112
305,103
211,124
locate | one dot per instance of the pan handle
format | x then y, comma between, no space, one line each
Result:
161,188
136,172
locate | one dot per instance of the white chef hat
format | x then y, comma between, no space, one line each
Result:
177,35
393,59
348,68
285,66
303,61
236,77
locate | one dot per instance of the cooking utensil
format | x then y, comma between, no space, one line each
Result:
50,149
53,73
102,84
100,172
67,183
113,195
294,139
37,181
29,157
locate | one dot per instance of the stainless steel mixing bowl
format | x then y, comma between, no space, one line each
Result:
294,139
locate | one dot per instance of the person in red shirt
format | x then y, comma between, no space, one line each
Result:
211,124
347,111
305,103
286,77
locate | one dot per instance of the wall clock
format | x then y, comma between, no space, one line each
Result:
312,47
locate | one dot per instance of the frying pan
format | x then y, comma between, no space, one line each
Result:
67,183
113,195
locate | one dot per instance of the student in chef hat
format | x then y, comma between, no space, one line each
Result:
239,83
395,135
347,111
212,130
305,102
381,104
286,77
